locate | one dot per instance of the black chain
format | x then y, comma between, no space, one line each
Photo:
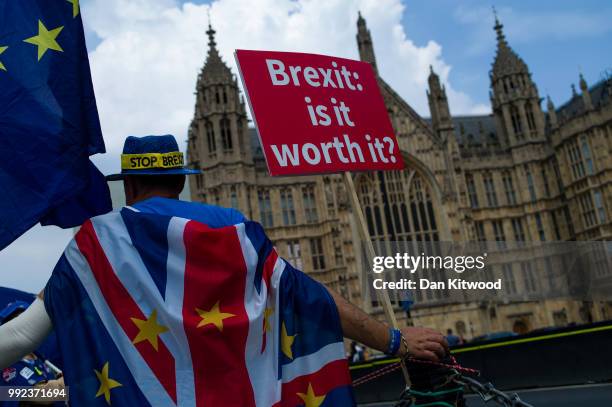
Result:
486,391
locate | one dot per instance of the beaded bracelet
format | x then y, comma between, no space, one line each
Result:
395,341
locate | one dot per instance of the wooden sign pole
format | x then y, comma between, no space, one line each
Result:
383,295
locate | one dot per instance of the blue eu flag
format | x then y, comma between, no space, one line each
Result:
49,123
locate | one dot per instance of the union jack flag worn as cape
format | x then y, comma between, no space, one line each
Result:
164,311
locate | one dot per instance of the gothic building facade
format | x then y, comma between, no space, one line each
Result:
519,174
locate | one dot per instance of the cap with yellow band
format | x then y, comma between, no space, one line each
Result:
151,155
152,160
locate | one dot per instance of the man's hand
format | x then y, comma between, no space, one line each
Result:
49,387
424,343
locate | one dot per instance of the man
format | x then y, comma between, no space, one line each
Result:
452,339
357,353
153,177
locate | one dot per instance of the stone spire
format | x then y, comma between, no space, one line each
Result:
438,102
220,115
552,113
213,53
364,43
586,95
498,27
514,97
214,68
583,84
434,80
506,61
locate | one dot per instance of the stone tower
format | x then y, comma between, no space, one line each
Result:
438,103
521,125
218,135
514,96
364,43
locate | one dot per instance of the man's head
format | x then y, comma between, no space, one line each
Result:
151,166
140,187
449,331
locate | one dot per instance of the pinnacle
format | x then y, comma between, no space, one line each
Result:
506,60
214,68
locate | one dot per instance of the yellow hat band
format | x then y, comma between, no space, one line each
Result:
152,160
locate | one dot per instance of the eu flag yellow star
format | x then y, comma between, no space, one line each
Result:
45,39
75,7
267,314
149,330
2,49
106,383
310,398
287,342
213,316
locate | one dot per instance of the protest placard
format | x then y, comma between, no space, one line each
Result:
317,114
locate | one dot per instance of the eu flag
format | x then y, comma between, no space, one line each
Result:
49,123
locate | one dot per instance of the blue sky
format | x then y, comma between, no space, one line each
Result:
555,38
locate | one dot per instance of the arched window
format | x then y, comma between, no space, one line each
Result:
399,207
234,197
408,203
516,121
310,204
226,135
530,119
287,206
266,216
210,138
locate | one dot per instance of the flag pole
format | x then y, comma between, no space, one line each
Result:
383,295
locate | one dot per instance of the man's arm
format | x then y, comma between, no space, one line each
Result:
24,333
423,343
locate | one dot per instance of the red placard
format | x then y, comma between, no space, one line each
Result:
317,114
